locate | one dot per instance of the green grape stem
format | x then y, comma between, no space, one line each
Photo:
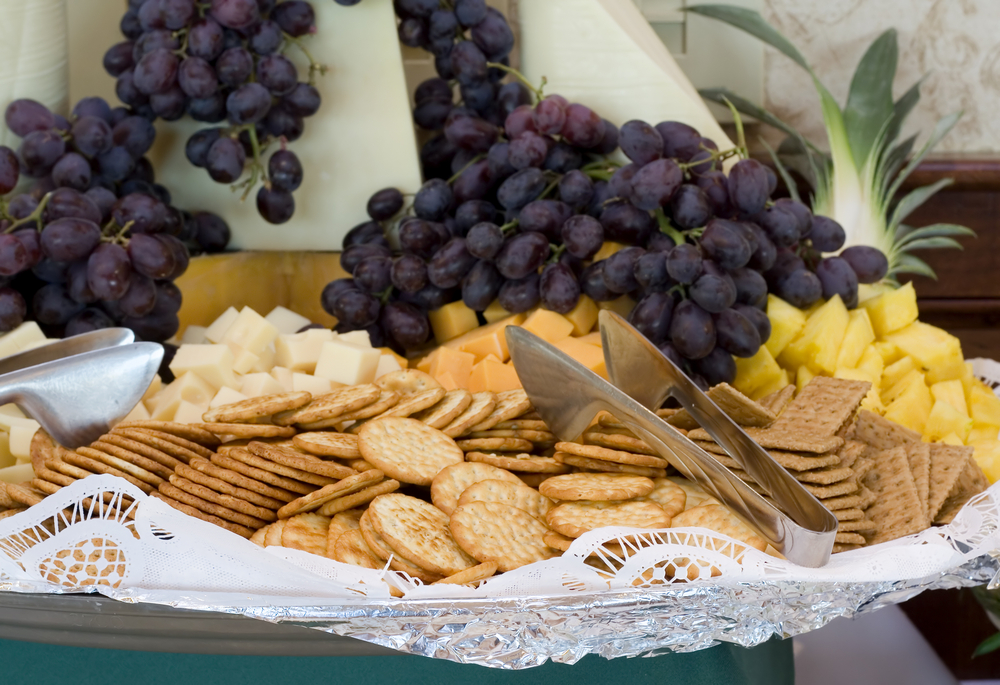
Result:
385,295
551,187
667,228
256,166
34,216
557,252
118,237
509,227
478,158
314,66
537,92
741,140
714,156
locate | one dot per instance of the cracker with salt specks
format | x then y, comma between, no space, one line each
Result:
737,406
212,508
897,509
242,481
242,531
139,460
506,492
378,545
849,514
499,533
918,454
178,447
719,519
856,526
518,463
671,497
845,502
780,440
221,486
352,549
414,403
822,407
273,536
228,501
879,433
255,408
947,464
359,498
121,464
844,487
340,524
343,488
573,519
263,464
249,430
789,460
260,535
471,576
537,437
188,431
387,399
23,493
851,539
407,381
510,405
330,405
623,443
596,486
267,477
495,445
453,480
419,531
970,483
297,460
306,532
607,466
617,456
777,401
447,410
407,450
482,405
94,466
329,444
523,425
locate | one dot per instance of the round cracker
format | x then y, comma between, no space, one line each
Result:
262,475
273,536
448,486
607,466
253,460
211,508
352,549
506,535
242,481
40,449
617,456
522,424
249,430
407,405
335,506
95,466
407,381
221,486
52,476
131,457
386,400
329,444
315,500
260,535
482,406
242,531
519,462
45,486
121,464
510,405
512,494
407,450
303,462
419,531
331,405
624,443
669,495
716,517
23,493
12,512
538,437
228,501
596,486
137,447
58,465
557,540
495,445
340,524
188,431
166,443
306,532
259,407
573,519
447,410
471,576
397,563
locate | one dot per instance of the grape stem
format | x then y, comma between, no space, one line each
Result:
314,66
714,156
183,35
667,228
509,227
552,186
202,8
478,158
741,139
256,167
34,216
537,92
118,237
557,252
385,295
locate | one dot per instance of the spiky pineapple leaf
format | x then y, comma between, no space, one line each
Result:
906,234
754,24
902,108
893,161
933,244
941,129
990,644
744,106
908,264
912,200
790,183
870,108
813,168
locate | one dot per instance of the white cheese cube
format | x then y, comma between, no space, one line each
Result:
17,340
284,378
357,337
226,396
217,330
155,386
20,473
251,331
300,352
214,363
347,363
138,413
287,321
7,422
257,384
387,363
12,410
35,343
188,388
243,360
265,361
20,439
188,412
311,384
194,335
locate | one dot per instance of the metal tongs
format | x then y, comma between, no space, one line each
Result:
567,395
80,387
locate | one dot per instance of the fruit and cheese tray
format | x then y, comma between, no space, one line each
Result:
375,458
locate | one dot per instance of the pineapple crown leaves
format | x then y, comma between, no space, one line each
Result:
856,183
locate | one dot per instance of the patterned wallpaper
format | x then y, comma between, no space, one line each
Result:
954,42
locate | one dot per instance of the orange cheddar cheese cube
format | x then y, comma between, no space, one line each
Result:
493,376
447,381
590,356
591,338
495,312
489,345
424,364
548,325
583,316
455,362
452,320
607,249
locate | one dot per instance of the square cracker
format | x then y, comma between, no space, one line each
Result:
778,400
919,456
821,408
947,464
971,482
737,406
896,510
880,433
782,440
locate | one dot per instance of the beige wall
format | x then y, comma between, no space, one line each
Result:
955,42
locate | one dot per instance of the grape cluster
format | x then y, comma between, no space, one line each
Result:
91,241
523,207
223,63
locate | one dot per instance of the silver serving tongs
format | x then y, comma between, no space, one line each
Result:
567,395
80,387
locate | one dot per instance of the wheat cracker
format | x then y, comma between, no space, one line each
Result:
328,444
519,462
823,492
351,548
306,532
228,501
225,488
347,502
617,456
297,460
896,509
340,524
188,431
378,545
822,407
329,406
622,443
537,437
249,430
407,450
573,519
242,531
452,481
510,405
788,460
948,462
413,403
880,433
495,445
250,459
242,481
506,492
262,475
596,486
274,531
505,535
523,424
721,520
407,381
53,476
44,486
838,548
733,403
212,508
971,482
851,539
12,512
142,449
254,408
861,525
138,460
851,501
471,576
315,500
419,532
781,440
481,407
147,436
607,466
778,400
447,410
849,514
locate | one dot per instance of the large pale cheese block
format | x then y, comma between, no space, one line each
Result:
603,54
212,363
347,363
361,140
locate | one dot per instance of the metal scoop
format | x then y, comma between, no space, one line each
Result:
568,396
78,388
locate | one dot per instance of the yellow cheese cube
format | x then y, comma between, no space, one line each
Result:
251,331
583,316
911,407
243,360
984,405
6,458
607,249
872,364
495,312
802,377
260,383
756,372
857,337
14,410
492,358
623,306
303,382
155,386
264,361
194,335
981,432
786,323
346,363
286,321
452,320
213,363
400,359
190,413
19,339
475,334
300,351
387,363
819,342
896,371
945,419
447,382
8,421
357,337
189,387
592,339
548,325
138,413
226,396
455,362
283,377
892,310
493,376
216,331
19,473
951,392
20,439
952,439
590,356
987,455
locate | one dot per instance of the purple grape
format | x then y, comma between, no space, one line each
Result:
559,288
869,264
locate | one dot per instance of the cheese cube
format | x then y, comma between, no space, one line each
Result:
583,316
357,337
283,377
213,363
592,339
493,376
243,360
251,331
188,412
226,396
387,363
459,364
155,386
216,331
189,387
300,352
257,384
287,321
6,458
495,312
452,320
548,325
311,384
489,344
404,363
623,306
590,356
21,338
19,473
424,364
20,439
609,248
12,410
194,335
138,413
8,421
347,363
447,382
265,361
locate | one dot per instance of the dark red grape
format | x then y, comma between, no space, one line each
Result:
493,36
484,240
800,288
470,12
275,205
302,101
205,39
838,278
77,285
592,283
119,58
609,143
713,292
470,133
655,184
420,237
619,270
583,127
652,317
23,116
69,239
748,186
367,232
545,217
714,185
736,334
109,271
474,183
680,141
197,146
405,324
627,224
869,264
523,254
433,200
576,189
13,257
135,134
826,234
53,306
333,290
766,253
409,273
277,73
520,121
549,115
521,188
71,171
450,264
751,288
285,170
724,243
385,204
473,212
758,318
12,309
640,142
372,274
520,295
144,212
468,62
430,297
225,160
692,330
248,104
150,256
356,308
90,319
559,288
481,285
780,224
583,236
718,366
32,244
156,72
212,233
800,211
621,181
527,150
684,263
40,150
690,207
242,14
651,272
563,158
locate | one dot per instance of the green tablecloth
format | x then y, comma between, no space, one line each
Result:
27,662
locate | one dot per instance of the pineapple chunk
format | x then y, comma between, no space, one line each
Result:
896,371
820,340
945,419
952,439
934,349
987,455
951,392
889,352
872,364
968,381
912,406
622,306
774,386
853,375
858,336
756,372
981,432
984,406
867,292
892,310
902,384
802,377
872,400
786,322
